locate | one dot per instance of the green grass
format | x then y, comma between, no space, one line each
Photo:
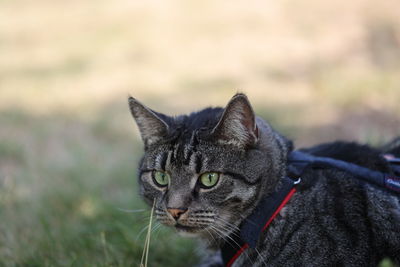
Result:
67,205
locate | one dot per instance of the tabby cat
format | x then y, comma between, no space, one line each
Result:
207,171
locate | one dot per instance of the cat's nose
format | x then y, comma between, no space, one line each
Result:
176,212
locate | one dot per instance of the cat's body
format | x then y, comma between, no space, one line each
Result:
332,220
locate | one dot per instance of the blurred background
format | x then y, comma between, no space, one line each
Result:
317,70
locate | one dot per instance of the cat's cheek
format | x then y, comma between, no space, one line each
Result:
216,196
149,193
148,198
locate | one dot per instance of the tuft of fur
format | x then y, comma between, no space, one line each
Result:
332,220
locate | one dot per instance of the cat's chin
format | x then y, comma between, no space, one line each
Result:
188,234
188,231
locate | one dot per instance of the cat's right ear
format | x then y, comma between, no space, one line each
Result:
237,125
151,126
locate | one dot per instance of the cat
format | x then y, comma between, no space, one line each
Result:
206,172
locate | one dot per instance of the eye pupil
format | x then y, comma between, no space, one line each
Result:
161,178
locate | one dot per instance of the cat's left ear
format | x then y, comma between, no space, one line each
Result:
237,125
153,126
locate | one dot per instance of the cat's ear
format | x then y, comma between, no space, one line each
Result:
237,125
151,125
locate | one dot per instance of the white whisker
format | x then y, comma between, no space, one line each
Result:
131,211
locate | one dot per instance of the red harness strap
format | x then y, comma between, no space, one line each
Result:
245,246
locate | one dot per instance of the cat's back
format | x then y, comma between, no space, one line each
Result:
334,219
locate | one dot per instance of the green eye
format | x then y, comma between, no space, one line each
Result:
209,179
161,178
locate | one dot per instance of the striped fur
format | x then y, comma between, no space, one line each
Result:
333,220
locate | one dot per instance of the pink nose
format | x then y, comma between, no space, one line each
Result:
176,213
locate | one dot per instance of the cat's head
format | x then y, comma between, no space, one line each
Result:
206,171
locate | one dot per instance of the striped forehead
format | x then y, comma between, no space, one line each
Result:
178,156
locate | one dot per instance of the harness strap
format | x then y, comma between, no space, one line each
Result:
299,161
257,222
394,163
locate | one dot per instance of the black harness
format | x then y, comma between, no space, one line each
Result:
269,207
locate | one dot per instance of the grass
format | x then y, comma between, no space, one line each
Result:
74,208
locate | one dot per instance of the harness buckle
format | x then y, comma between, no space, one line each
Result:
297,181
